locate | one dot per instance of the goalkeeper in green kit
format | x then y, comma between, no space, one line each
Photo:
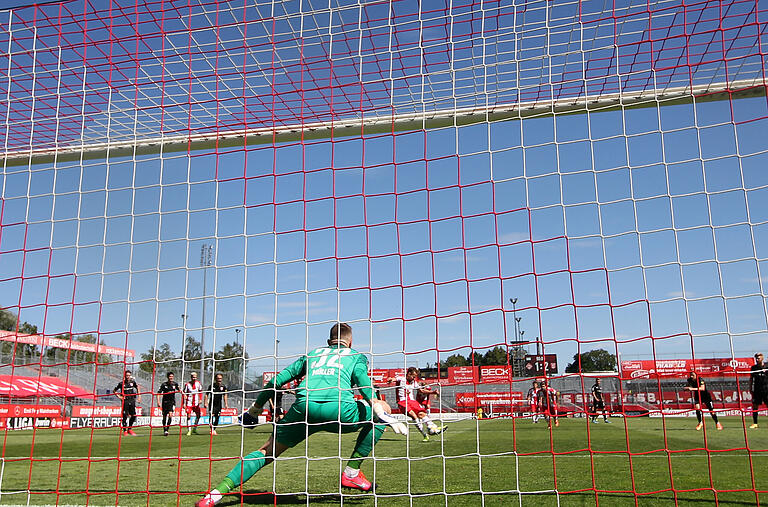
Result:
324,402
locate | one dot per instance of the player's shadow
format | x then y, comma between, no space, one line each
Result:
282,499
663,498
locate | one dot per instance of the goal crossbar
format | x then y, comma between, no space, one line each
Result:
387,123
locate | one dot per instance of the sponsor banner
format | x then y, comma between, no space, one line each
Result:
155,422
462,374
30,410
496,374
103,422
692,413
379,375
28,423
175,421
178,412
539,365
101,411
223,420
464,399
45,341
719,397
158,412
60,422
681,367
586,398
386,375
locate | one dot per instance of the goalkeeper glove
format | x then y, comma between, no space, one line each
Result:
383,417
250,418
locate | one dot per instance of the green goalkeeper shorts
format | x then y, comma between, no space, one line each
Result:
305,418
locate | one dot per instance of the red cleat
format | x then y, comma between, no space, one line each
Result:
131,433
359,482
209,500
206,501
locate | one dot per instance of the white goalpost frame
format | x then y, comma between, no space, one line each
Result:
394,123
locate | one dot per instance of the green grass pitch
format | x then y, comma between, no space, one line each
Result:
475,463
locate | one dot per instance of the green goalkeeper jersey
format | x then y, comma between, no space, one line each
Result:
330,373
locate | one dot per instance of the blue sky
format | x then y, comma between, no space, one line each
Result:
417,238
136,247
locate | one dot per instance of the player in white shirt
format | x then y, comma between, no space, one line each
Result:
406,389
533,400
192,398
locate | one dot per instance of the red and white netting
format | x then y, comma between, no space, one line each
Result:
489,190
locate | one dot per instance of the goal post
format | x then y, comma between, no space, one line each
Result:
518,198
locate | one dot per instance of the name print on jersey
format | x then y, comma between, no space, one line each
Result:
326,363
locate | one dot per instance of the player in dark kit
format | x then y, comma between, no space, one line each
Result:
758,386
167,402
276,403
598,404
128,392
213,400
701,397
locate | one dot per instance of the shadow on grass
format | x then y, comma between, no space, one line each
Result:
666,498
576,498
273,499
580,498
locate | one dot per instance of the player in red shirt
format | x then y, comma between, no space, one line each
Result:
424,396
547,399
406,389
533,395
192,399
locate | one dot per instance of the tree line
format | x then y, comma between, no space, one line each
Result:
592,361
492,357
9,321
229,358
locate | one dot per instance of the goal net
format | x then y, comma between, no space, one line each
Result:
518,198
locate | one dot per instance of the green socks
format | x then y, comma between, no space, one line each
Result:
355,461
244,470
225,486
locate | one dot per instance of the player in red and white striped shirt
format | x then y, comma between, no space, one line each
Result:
533,400
192,399
406,389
